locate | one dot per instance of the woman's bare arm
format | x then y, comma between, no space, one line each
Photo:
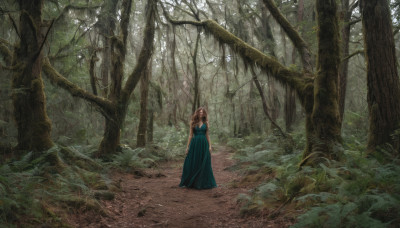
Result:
190,138
208,137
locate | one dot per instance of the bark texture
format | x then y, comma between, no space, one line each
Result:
325,116
28,96
382,75
144,92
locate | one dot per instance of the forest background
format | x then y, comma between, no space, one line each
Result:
306,93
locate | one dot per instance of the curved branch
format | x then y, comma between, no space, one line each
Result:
293,35
144,56
254,57
264,103
73,7
176,22
73,89
353,54
301,82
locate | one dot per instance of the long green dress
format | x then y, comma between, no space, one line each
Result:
197,171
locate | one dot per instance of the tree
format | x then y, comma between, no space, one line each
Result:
346,13
28,97
114,107
382,75
144,92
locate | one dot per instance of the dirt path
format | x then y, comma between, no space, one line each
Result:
157,201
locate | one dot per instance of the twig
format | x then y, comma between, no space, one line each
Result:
44,40
15,26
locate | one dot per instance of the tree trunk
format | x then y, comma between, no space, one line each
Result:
273,101
325,115
106,26
92,63
290,108
144,91
290,94
150,126
29,100
382,75
111,137
264,104
345,52
196,98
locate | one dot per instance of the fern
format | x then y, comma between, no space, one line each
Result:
358,192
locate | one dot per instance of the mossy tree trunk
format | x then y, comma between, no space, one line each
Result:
325,116
382,75
28,96
111,135
144,92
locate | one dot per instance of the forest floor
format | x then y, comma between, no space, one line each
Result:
156,200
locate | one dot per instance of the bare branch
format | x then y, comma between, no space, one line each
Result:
353,54
14,25
44,40
354,22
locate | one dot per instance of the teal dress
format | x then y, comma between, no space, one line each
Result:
197,171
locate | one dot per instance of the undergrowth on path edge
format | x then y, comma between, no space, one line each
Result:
356,192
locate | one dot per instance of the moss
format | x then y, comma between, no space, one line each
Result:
104,195
83,203
254,57
56,164
74,158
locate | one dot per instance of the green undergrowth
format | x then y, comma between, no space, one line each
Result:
356,192
44,189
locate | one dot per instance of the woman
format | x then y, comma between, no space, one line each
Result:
197,171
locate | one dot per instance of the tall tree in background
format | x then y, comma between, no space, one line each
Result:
196,87
28,95
106,27
290,94
144,93
382,75
346,13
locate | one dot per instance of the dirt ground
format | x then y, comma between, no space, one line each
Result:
156,200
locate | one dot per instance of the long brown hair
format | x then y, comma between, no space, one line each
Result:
196,118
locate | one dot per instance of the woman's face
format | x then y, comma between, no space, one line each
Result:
201,113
